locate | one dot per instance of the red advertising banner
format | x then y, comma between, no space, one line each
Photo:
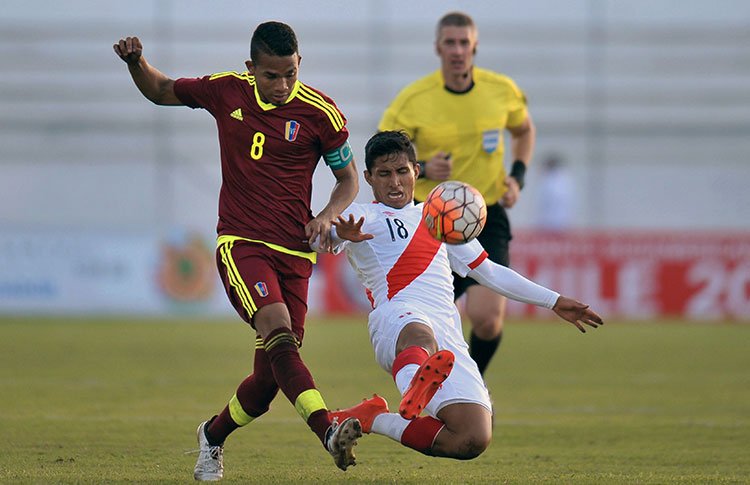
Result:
633,275
642,274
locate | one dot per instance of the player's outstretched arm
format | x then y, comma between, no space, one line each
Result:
351,230
343,193
577,313
342,232
154,85
511,284
507,282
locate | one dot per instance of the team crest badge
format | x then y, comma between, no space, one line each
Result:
261,288
490,140
291,130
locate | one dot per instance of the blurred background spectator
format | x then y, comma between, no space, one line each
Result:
555,193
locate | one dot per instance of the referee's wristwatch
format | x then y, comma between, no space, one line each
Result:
422,169
518,172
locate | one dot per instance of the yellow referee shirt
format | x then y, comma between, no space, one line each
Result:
469,126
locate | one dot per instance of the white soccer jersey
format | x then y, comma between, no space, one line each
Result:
407,274
403,262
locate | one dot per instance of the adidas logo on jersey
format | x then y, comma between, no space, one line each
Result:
237,114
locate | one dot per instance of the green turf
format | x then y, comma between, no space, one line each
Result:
102,401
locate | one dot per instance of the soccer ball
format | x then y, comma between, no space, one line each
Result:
454,212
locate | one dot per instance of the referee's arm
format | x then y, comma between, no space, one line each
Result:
522,139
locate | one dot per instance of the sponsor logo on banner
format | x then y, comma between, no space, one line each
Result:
186,270
490,140
291,130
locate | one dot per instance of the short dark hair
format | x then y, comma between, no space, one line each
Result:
391,143
454,19
273,39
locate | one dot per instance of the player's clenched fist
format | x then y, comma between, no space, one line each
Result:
129,49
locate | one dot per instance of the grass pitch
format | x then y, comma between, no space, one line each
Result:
106,400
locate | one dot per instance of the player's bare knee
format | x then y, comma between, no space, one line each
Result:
470,432
417,334
487,328
270,317
471,446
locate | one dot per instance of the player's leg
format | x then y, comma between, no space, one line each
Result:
485,308
461,431
401,347
418,434
292,375
251,399
419,367
282,327
464,385
459,424
462,404
254,394
263,305
467,431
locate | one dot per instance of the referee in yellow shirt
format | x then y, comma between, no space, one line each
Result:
456,117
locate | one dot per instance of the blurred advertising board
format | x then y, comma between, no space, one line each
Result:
642,275
75,272
624,274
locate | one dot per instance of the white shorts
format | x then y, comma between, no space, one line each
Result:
465,383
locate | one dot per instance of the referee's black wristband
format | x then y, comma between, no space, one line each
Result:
518,172
422,169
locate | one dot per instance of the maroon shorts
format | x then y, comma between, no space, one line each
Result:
255,275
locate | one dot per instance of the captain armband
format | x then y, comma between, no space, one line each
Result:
340,157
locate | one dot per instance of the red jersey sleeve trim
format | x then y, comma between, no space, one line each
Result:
479,260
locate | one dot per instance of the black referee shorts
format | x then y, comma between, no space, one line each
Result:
495,238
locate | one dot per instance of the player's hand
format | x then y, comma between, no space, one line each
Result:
129,50
576,313
350,229
439,167
318,230
510,197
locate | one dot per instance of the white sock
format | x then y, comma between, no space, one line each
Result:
391,425
404,376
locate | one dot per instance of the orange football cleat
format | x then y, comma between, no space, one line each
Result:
366,411
425,383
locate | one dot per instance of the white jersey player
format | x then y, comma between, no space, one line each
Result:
415,327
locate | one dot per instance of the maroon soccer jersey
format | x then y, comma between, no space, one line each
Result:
268,153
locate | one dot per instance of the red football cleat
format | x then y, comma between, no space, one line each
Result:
365,411
425,383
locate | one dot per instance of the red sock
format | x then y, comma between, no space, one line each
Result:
292,375
410,355
420,434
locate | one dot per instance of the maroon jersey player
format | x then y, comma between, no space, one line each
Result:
268,153
273,130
